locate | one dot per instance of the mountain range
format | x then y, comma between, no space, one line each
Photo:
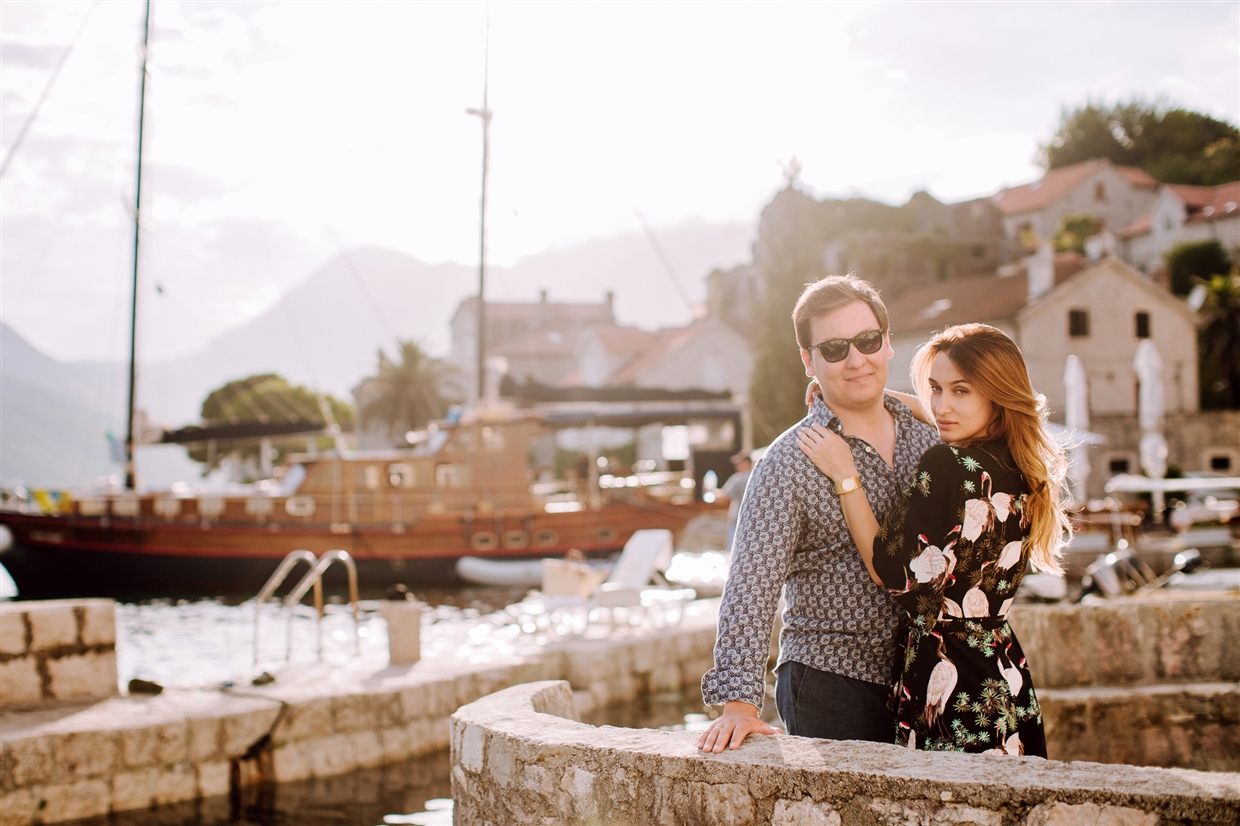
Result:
325,332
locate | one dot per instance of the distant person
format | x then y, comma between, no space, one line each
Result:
837,647
734,488
954,550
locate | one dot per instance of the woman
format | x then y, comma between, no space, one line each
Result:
981,507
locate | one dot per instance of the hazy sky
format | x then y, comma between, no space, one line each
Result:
279,132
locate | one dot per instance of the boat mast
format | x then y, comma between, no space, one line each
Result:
485,115
130,480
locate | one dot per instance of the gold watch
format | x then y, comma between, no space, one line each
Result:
848,485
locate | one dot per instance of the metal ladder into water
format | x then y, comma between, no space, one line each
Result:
313,579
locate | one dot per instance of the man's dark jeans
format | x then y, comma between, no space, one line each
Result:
817,703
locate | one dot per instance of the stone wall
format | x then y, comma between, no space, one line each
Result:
57,650
315,721
520,757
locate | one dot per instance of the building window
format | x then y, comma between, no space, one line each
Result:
1221,463
1143,325
1100,191
1078,323
1118,466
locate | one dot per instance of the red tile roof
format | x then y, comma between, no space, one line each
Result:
590,313
987,299
1223,202
1140,226
1057,182
663,344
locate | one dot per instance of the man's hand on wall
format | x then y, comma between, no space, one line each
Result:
729,730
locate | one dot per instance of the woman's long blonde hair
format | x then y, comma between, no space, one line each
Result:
993,364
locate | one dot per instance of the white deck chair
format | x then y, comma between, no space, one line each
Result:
645,556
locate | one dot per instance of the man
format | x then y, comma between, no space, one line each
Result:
837,646
733,490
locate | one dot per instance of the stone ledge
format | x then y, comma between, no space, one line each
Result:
514,764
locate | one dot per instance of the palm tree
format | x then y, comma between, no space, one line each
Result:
1219,339
404,395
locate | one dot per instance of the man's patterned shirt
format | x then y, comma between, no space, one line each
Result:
792,536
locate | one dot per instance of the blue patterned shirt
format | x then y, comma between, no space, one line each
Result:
792,537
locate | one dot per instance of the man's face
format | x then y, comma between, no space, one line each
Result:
858,380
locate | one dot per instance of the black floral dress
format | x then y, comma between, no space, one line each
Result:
953,554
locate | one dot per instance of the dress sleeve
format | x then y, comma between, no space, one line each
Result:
927,516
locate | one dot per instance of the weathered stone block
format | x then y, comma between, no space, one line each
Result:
437,733
161,744
82,754
239,731
289,763
307,720
367,749
353,712
87,676
579,784
727,804
804,812
174,784
204,738
329,756
70,801
500,762
31,760
20,683
12,631
18,808
98,622
132,790
413,702
1088,814
213,779
473,741
51,626
931,813
394,742
441,698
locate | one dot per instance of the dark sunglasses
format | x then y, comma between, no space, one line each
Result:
836,349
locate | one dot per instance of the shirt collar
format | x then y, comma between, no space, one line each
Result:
821,414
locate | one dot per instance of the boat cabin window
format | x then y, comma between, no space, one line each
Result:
1118,465
400,475
451,476
372,477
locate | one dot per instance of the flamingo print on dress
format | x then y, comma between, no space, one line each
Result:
933,564
1011,746
975,603
979,512
1010,555
1011,673
942,684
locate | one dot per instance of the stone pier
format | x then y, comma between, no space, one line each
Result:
520,757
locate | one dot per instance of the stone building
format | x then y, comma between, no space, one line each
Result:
1182,214
1116,195
1054,306
535,337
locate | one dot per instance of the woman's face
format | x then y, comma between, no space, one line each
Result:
960,410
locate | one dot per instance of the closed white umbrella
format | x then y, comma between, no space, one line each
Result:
1076,421
1150,407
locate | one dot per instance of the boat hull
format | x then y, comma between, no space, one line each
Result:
70,556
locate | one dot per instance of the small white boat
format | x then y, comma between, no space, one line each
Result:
513,573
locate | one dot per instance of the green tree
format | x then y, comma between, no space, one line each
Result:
1194,262
1073,231
1173,145
266,399
404,395
791,236
1219,341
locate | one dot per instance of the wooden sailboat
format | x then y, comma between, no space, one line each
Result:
406,516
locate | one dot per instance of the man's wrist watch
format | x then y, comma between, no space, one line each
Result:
848,485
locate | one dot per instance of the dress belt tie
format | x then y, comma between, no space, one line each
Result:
989,623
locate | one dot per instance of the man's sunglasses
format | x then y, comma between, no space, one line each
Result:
836,349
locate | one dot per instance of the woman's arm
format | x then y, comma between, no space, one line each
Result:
833,456
914,403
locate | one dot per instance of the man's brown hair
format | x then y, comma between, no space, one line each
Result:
830,294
